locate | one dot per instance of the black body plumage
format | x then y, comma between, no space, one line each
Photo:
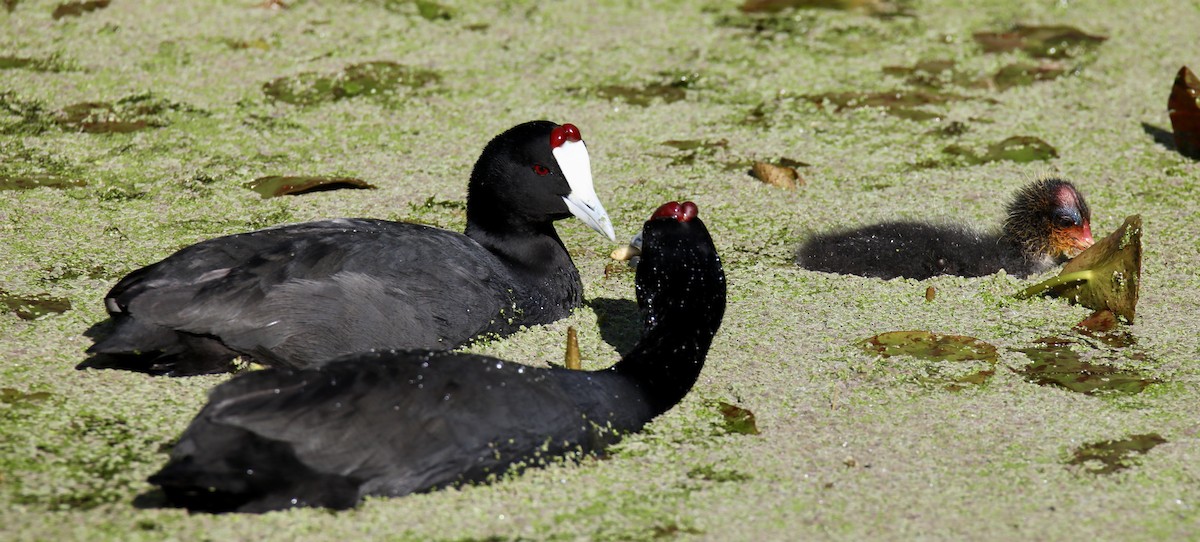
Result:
302,294
391,423
1038,217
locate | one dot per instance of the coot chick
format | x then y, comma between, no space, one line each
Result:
1048,223
302,294
389,423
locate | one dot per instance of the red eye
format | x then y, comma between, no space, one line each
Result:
540,169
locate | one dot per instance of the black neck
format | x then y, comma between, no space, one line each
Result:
667,361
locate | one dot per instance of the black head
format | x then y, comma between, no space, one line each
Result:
531,175
1049,218
679,278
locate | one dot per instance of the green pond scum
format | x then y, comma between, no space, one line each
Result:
129,130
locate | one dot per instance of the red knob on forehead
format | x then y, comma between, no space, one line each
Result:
563,134
681,212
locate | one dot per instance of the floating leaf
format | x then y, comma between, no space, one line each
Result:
126,115
930,293
737,419
433,11
672,88
1055,363
1021,74
713,473
76,9
377,79
279,185
1040,41
29,182
930,346
15,397
1020,149
33,307
870,7
1184,107
778,176
1105,276
901,103
1109,456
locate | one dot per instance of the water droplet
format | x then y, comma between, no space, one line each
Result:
337,404
499,364
446,397
276,391
520,370
249,472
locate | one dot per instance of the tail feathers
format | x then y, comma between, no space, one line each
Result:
252,476
134,346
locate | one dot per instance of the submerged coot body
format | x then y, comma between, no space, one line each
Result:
1048,223
302,294
396,422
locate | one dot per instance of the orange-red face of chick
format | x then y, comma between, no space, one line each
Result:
1072,225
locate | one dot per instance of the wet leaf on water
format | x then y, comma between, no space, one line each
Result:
29,182
9,62
1022,74
901,103
670,89
374,79
282,185
1109,456
15,397
126,115
1057,41
780,176
1102,326
1105,276
76,9
433,11
930,294
1184,107
927,73
256,43
33,307
870,7
737,419
1055,363
691,150
1020,149
10,5
930,346
714,473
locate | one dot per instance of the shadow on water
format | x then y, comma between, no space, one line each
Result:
620,322
1163,137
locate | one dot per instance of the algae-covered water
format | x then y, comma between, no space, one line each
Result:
129,129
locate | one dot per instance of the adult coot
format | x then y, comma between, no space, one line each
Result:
302,294
1048,223
396,422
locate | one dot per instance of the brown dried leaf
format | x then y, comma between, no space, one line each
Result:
779,176
1184,107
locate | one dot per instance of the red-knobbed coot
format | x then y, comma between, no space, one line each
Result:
390,423
302,294
1048,223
